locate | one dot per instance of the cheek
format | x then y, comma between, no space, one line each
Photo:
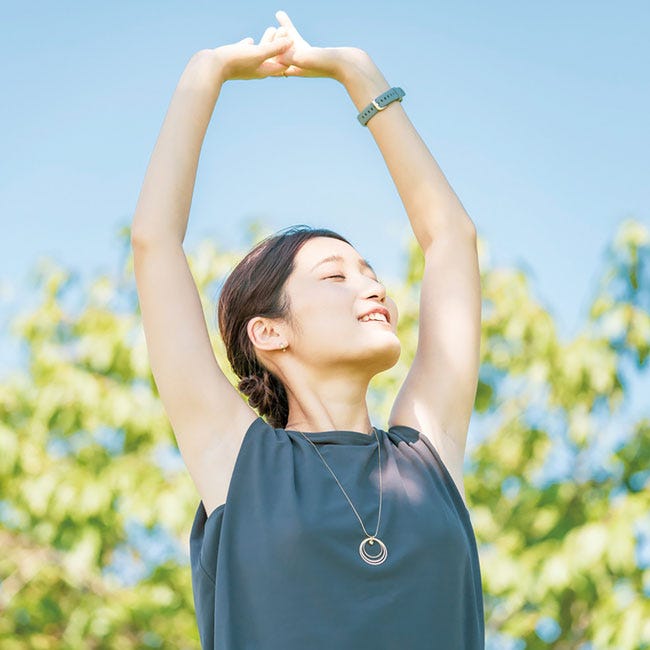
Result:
327,311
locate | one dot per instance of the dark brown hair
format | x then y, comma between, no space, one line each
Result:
256,287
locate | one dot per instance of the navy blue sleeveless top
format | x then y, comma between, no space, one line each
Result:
277,567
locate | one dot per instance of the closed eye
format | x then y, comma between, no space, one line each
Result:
342,276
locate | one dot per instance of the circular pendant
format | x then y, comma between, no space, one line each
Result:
373,559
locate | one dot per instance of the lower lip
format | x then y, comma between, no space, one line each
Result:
380,322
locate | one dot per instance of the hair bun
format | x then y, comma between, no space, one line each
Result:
263,391
250,384
259,390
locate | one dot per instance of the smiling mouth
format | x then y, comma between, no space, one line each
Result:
381,322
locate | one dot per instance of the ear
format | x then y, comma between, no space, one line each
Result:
265,333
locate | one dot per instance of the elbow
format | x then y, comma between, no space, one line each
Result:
138,240
141,240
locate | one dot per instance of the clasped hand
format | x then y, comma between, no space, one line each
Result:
282,51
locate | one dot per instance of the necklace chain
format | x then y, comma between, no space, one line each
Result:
370,559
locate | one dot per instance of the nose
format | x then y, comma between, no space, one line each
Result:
376,290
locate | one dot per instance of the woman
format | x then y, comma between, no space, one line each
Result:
316,529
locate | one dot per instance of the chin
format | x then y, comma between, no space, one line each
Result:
395,353
384,357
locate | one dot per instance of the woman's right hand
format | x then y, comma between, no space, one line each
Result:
245,60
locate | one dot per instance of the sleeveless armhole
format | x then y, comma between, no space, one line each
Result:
205,536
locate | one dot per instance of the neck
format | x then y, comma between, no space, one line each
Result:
333,406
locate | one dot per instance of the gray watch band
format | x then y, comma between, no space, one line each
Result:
379,104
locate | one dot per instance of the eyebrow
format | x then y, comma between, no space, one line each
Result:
338,258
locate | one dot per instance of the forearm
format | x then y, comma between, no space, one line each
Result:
429,200
163,207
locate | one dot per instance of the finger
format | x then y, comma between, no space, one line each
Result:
267,36
271,68
281,31
284,20
278,46
293,71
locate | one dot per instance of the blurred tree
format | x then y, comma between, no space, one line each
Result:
96,504
561,550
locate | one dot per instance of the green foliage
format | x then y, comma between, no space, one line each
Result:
564,548
95,527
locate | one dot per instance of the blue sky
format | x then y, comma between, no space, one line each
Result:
537,114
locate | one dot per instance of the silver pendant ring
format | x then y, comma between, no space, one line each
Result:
373,559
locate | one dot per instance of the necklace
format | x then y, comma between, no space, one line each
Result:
371,539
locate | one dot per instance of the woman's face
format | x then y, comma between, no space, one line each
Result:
327,300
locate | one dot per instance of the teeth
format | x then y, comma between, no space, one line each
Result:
374,316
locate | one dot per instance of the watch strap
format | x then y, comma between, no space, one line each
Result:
379,103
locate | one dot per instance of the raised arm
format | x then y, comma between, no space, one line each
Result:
437,396
208,415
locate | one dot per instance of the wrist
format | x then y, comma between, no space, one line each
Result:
205,70
349,62
362,79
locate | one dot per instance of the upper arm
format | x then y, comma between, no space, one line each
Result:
208,415
437,397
